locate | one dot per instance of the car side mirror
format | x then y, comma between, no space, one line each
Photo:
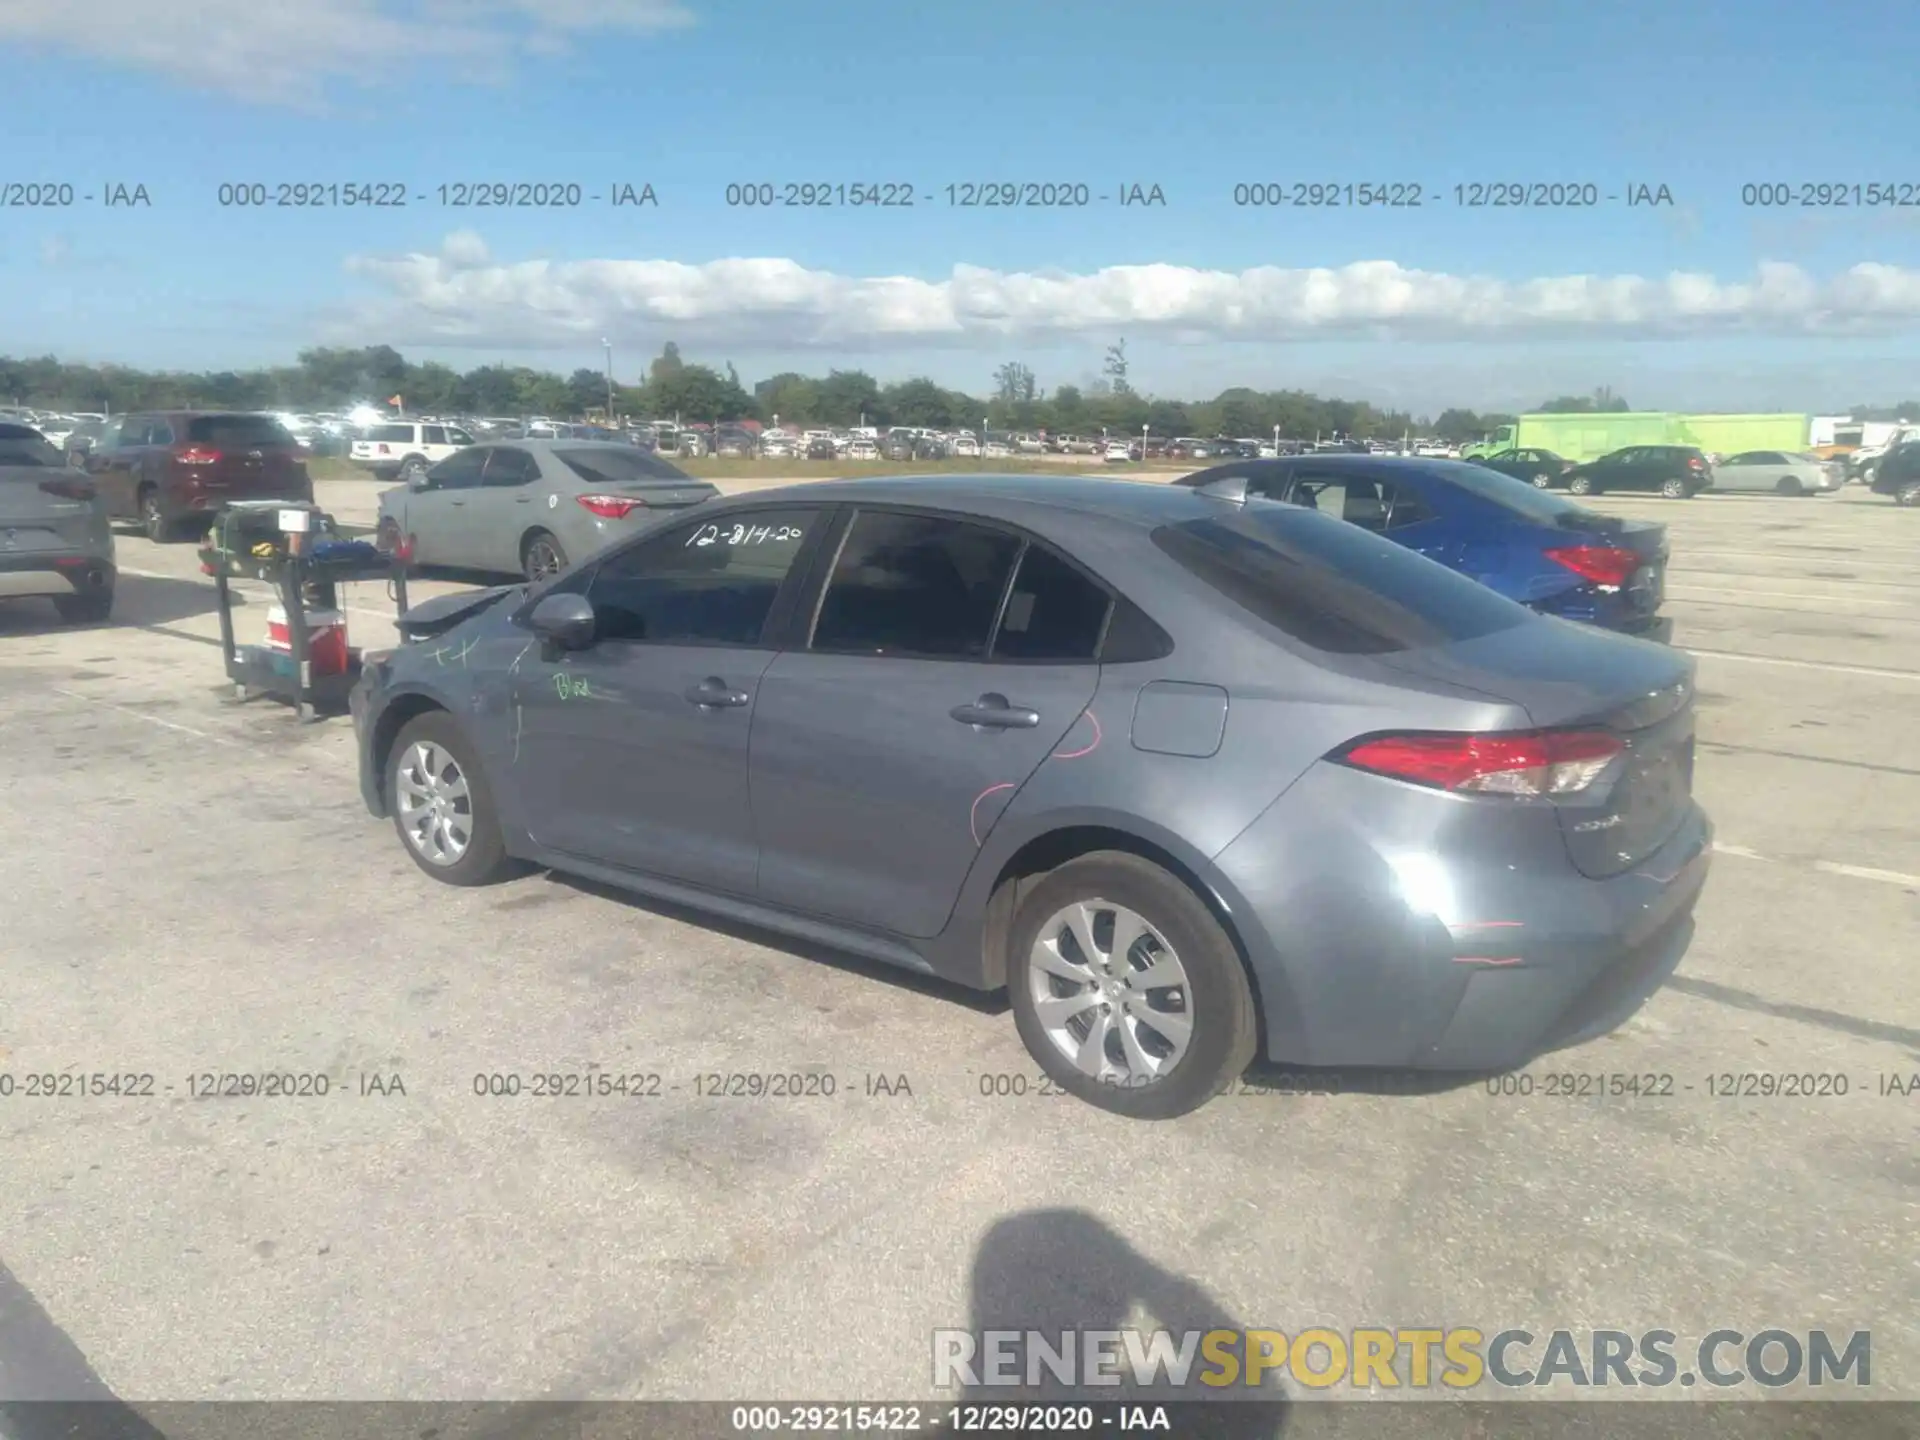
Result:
420,482
564,620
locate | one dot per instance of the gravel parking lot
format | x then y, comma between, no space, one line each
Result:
194,888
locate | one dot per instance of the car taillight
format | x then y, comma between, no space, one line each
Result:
198,455
1694,462
69,489
610,507
1602,564
1536,763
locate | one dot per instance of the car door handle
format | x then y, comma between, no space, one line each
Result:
994,712
715,692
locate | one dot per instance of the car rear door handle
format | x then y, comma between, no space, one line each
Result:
994,712
715,692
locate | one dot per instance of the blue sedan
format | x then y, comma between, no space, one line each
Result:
1534,546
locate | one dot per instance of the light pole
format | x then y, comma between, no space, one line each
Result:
1276,439
1143,443
608,344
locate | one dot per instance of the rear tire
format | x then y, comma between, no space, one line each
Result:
541,556
1788,486
411,469
1674,489
442,806
1173,1010
1908,494
93,608
153,518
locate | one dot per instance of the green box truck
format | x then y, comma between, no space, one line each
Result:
1736,434
1580,437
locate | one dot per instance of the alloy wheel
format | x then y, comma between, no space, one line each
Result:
434,802
544,559
1110,993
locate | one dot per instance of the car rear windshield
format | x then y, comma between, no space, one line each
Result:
1541,507
237,431
1333,586
21,445
625,466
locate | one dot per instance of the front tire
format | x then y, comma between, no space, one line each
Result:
1126,990
1580,485
1542,482
441,804
1788,486
1908,494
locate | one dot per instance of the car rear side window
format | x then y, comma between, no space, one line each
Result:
619,467
236,432
1053,612
1332,586
391,435
915,585
708,583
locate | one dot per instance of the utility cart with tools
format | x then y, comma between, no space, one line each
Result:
297,549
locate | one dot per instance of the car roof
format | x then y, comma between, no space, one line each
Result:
1013,498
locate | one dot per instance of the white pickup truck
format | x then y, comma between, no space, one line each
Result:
402,449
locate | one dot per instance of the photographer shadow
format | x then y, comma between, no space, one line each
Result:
1055,1271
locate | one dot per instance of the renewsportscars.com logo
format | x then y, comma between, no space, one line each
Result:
1456,1358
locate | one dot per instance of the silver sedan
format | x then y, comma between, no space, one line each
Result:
530,507
1777,472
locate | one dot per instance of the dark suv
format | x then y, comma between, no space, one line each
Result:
1898,474
1678,472
171,470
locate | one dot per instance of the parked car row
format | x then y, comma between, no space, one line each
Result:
1676,471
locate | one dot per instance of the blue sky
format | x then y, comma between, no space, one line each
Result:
191,94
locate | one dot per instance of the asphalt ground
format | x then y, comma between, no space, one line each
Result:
192,888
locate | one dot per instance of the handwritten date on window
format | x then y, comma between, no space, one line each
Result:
741,535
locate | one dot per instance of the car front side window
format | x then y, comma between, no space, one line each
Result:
711,582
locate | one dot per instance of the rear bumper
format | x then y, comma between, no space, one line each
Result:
1653,627
1367,952
55,572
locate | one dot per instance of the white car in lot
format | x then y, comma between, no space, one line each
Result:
405,450
965,446
1778,472
861,448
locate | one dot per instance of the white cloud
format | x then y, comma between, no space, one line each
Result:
464,296
286,51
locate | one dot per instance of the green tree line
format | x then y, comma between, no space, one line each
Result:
333,378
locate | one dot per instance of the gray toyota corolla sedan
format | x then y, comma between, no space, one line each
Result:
1193,780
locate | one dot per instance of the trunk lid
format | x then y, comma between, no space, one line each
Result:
659,494
241,457
1646,588
32,518
1567,675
